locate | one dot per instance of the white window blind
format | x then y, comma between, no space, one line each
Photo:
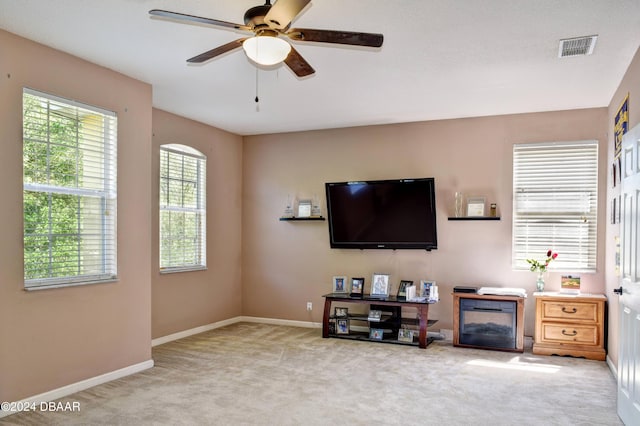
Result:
555,204
182,208
69,192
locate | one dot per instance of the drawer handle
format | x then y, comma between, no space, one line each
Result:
569,334
573,311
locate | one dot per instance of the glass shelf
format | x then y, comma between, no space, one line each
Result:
293,219
476,218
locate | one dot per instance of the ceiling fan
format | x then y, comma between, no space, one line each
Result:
268,23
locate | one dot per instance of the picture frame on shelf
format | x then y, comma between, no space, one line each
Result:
402,289
380,285
375,315
340,284
357,287
304,208
376,333
342,326
475,207
341,312
425,288
405,335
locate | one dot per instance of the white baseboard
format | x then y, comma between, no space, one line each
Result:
274,321
224,323
612,367
81,385
192,331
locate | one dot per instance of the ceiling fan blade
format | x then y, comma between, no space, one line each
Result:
298,64
203,57
196,19
282,13
338,37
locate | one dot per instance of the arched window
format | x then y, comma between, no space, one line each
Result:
183,172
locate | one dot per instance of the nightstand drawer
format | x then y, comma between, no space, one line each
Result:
569,310
570,333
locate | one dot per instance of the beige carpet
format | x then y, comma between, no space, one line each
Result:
256,374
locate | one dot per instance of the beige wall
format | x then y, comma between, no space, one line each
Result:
286,264
630,85
52,338
185,300
257,265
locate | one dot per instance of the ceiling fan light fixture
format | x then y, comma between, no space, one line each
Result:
266,50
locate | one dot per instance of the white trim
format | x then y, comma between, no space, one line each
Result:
83,384
612,367
190,332
201,329
275,321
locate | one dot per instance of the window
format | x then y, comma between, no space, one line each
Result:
555,196
182,209
69,192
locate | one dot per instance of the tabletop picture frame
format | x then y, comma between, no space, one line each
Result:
405,335
475,206
341,312
380,285
376,333
304,208
425,288
340,284
402,289
357,287
342,326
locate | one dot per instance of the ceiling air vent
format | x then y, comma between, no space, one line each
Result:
578,46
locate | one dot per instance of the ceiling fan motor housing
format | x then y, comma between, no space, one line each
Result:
254,17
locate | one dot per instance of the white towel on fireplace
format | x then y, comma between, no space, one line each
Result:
503,291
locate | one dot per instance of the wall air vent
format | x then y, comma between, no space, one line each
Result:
579,46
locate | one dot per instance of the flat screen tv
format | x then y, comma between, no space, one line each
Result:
382,214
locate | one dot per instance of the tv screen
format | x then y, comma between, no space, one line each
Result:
382,214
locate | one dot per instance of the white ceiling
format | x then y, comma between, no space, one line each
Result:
440,58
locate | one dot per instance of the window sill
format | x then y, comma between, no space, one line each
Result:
176,270
73,284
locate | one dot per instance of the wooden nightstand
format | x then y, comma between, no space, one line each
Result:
570,325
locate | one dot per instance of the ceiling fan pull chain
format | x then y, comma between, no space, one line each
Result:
257,99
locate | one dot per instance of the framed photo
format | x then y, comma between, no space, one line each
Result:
475,207
426,287
402,289
405,335
374,315
376,333
340,312
570,284
357,287
340,285
342,326
304,208
380,285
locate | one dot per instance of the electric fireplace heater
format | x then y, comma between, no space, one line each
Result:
488,323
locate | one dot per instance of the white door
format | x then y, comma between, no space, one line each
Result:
629,300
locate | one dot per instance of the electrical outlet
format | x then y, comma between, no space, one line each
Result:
309,306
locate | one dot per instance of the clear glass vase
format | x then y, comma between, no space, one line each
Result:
540,281
459,207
